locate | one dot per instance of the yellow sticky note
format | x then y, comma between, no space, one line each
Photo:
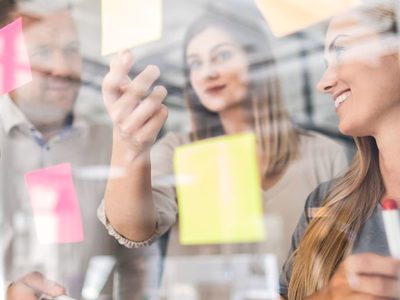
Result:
129,23
287,16
219,193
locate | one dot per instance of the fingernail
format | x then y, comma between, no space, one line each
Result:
155,69
160,89
126,57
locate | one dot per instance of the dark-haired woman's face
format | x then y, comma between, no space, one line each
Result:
218,69
362,76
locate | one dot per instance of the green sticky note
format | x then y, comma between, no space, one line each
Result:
218,189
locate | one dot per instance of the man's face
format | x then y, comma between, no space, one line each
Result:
53,50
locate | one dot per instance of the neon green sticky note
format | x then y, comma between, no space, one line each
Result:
129,23
287,16
218,189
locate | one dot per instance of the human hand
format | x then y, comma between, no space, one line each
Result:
34,286
364,276
137,118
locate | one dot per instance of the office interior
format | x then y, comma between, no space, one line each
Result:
151,272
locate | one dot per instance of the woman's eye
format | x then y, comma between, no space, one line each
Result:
339,51
194,64
223,56
42,52
70,51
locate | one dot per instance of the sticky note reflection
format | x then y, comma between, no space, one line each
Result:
55,205
130,23
15,69
219,193
287,16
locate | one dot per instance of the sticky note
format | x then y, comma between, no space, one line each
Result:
129,23
55,205
218,189
288,16
15,69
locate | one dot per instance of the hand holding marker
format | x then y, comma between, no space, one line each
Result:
391,220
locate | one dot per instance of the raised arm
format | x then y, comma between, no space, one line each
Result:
137,120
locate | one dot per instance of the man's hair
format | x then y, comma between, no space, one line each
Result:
7,8
9,12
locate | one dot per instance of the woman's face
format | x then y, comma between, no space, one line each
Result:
362,76
218,69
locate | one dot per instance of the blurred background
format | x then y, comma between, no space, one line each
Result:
300,64
299,56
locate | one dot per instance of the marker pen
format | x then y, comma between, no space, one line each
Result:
391,220
99,269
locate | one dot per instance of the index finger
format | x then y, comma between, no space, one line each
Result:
373,264
117,76
39,283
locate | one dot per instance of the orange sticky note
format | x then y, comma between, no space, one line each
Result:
15,69
129,23
288,16
55,205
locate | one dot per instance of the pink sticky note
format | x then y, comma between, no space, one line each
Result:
55,205
15,69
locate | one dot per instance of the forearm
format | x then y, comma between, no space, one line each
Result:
128,198
137,118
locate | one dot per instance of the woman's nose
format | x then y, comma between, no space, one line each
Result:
328,80
210,72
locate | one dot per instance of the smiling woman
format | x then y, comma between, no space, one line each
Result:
362,67
342,222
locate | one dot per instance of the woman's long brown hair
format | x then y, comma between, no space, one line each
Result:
331,233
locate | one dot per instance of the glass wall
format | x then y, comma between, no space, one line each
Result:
166,149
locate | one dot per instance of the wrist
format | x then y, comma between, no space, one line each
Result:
125,152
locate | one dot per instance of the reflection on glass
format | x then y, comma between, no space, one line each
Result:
238,277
